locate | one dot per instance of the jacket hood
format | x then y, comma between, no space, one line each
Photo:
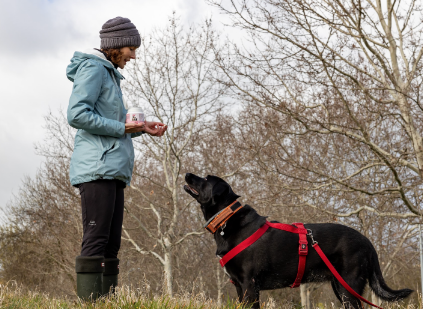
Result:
79,57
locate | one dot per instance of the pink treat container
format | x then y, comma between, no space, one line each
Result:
135,115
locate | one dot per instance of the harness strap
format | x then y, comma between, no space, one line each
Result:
288,227
297,228
338,276
302,252
244,244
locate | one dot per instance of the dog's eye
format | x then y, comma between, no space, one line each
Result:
205,179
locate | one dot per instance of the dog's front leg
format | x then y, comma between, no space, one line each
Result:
239,292
249,293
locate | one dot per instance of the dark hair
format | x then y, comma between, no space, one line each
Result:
113,54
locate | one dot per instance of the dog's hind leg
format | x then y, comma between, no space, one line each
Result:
345,297
334,288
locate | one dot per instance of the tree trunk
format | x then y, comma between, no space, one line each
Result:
412,131
219,286
305,296
168,272
303,293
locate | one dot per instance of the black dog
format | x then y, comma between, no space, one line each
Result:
272,261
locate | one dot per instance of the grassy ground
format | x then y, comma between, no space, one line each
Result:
125,298
12,297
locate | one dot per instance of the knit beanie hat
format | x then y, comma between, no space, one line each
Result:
119,32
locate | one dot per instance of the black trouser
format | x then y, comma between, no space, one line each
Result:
102,216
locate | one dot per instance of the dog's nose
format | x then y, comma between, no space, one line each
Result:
187,175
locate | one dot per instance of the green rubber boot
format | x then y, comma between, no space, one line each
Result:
89,277
110,276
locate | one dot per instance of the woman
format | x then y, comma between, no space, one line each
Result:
103,158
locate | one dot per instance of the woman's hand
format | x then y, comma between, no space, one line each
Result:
155,128
134,127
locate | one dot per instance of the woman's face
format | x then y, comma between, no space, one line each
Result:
128,53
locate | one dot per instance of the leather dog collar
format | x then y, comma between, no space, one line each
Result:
219,219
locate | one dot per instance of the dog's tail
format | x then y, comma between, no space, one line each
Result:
379,286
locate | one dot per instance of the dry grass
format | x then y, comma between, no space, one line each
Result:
14,297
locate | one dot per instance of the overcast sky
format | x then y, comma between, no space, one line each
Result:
37,41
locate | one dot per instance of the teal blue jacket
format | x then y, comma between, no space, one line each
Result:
102,150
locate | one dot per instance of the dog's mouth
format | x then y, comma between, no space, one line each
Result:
192,190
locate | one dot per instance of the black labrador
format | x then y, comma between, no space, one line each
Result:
272,261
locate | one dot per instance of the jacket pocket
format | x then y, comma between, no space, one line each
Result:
112,147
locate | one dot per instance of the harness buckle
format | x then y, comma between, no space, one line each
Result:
303,249
310,233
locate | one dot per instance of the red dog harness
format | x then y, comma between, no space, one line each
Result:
297,228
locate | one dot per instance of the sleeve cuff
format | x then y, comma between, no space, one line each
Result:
121,129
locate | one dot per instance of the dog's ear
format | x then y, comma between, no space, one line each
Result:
220,192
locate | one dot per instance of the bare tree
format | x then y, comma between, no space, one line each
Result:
343,81
42,233
334,90
173,79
